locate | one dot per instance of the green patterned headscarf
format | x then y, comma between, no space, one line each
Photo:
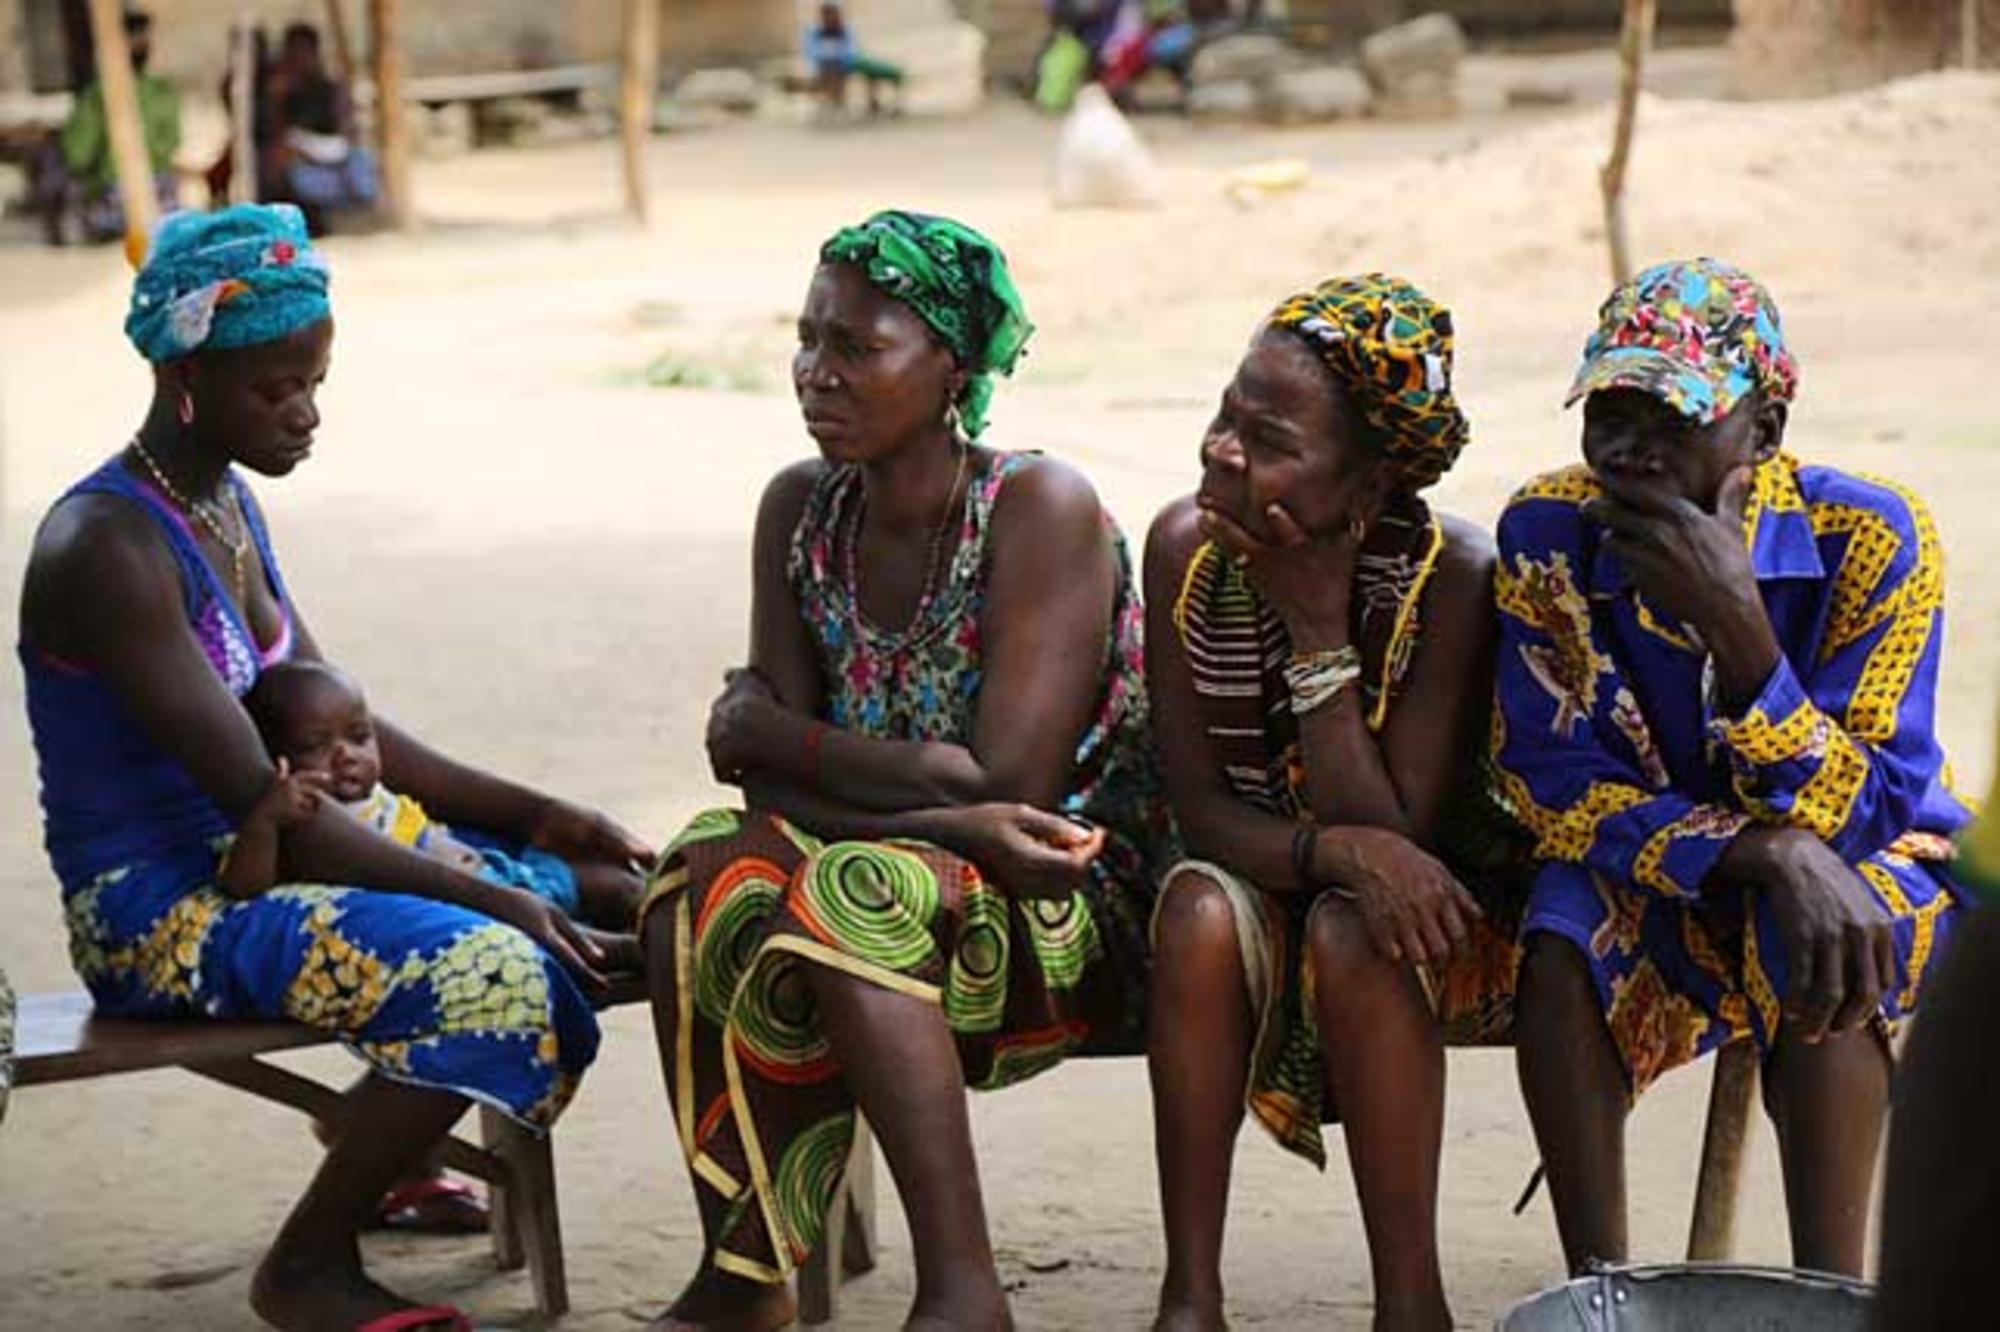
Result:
957,282
1390,346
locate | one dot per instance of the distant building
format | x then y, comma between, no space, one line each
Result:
1807,44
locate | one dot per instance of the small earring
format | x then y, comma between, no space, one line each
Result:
1357,529
186,412
951,418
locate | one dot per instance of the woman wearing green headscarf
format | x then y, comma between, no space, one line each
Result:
942,876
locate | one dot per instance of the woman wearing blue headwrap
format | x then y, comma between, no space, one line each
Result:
152,603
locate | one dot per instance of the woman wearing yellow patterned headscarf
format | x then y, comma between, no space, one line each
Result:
1390,346
1317,658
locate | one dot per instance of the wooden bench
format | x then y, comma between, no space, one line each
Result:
1711,1232
438,89
59,1039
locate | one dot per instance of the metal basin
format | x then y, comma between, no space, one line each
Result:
1696,1297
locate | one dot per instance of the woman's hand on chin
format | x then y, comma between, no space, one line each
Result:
1308,580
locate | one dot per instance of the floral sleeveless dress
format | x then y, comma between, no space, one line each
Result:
763,1114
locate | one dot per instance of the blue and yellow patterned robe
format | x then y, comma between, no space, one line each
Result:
1616,754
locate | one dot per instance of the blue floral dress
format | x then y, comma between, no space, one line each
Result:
425,992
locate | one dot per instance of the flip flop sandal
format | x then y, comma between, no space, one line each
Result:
434,1206
441,1316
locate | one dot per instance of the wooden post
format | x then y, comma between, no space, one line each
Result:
392,114
1968,32
638,77
243,110
343,45
122,123
1712,1233
1635,38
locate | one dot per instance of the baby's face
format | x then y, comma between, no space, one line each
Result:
330,732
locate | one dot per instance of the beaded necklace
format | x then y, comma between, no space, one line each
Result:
898,643
238,547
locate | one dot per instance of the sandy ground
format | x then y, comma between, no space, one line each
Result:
541,562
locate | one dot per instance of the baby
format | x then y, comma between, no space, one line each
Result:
315,723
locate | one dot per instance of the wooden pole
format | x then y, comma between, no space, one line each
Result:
1635,39
638,78
343,44
392,116
243,110
1968,32
122,123
1712,1234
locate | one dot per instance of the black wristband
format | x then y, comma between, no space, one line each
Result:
1302,854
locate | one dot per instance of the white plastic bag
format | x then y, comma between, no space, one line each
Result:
1100,160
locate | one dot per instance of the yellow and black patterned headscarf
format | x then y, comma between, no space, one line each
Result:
1391,348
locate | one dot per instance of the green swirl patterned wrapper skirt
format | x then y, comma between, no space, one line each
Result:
761,1109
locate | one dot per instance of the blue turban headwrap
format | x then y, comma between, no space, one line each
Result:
234,278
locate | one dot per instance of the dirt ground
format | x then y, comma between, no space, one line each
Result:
539,560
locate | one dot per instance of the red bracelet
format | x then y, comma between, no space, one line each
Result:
814,734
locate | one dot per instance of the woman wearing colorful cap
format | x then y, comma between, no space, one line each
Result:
1320,645
152,601
1717,685
944,873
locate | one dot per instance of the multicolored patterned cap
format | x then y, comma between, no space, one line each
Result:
1697,334
1390,346
235,278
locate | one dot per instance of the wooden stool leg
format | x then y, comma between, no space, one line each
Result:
505,1227
857,1256
1712,1234
531,1212
819,1280
847,1246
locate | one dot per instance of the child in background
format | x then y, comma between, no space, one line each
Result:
834,56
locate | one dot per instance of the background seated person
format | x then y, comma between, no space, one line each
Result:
72,180
309,151
835,59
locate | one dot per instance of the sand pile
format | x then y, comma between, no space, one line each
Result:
1895,186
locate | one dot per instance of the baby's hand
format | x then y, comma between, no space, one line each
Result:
293,797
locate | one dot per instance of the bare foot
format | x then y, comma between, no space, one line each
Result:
718,1302
319,1293
981,1309
932,1322
1178,1316
1422,1315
